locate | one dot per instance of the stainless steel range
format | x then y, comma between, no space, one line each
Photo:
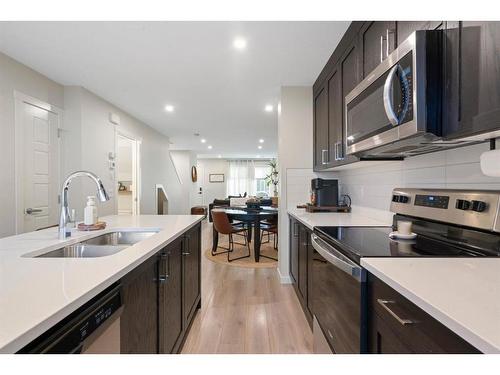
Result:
447,223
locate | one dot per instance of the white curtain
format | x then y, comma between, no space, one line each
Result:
247,176
241,178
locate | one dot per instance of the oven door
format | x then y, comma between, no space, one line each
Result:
338,291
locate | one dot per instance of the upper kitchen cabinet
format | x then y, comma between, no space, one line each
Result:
338,77
472,79
378,40
405,28
321,129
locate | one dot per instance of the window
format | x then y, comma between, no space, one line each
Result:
248,176
261,171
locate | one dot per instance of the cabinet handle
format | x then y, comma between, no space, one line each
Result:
382,38
339,152
295,229
162,278
185,245
323,158
167,260
384,303
388,32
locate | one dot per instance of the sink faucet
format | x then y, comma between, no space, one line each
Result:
101,193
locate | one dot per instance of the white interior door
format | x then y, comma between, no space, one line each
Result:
128,175
40,166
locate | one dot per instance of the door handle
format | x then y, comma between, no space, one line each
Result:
384,303
388,105
338,260
31,211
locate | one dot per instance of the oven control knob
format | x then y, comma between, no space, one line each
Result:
478,206
462,204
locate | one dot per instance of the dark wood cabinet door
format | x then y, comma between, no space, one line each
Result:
191,254
321,146
398,326
139,320
472,78
350,66
335,120
377,38
303,244
294,250
383,340
170,296
405,28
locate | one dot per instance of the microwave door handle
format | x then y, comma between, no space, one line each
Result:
388,105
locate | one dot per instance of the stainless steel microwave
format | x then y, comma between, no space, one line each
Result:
396,110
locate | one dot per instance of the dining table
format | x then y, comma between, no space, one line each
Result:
252,217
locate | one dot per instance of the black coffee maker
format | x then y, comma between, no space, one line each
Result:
324,193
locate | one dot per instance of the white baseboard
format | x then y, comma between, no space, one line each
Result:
284,279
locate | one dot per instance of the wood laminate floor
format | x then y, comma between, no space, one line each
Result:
246,311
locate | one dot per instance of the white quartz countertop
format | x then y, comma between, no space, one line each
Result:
461,293
37,293
358,217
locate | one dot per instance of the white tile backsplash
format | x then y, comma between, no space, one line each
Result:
452,169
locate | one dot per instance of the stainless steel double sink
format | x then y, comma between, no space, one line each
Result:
100,246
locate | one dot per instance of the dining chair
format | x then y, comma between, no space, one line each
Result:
268,227
223,226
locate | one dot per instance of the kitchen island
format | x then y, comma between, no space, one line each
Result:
37,293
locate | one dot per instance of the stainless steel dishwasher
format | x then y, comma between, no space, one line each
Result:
93,329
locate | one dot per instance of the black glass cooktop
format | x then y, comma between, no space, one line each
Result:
432,241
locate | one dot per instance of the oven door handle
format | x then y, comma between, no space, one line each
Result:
335,258
388,105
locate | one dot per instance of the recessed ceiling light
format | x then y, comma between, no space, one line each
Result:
260,147
240,43
261,140
268,108
169,108
209,147
203,140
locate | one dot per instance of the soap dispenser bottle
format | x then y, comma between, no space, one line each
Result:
90,212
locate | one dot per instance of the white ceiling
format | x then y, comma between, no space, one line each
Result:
217,91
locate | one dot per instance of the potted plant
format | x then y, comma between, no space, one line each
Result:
272,177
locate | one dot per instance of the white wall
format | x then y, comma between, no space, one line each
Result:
90,124
183,162
17,77
295,158
212,190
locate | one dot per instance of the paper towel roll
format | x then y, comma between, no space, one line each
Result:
490,163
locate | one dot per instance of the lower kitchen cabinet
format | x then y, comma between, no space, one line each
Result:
397,326
170,320
139,320
191,254
294,250
300,250
161,296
